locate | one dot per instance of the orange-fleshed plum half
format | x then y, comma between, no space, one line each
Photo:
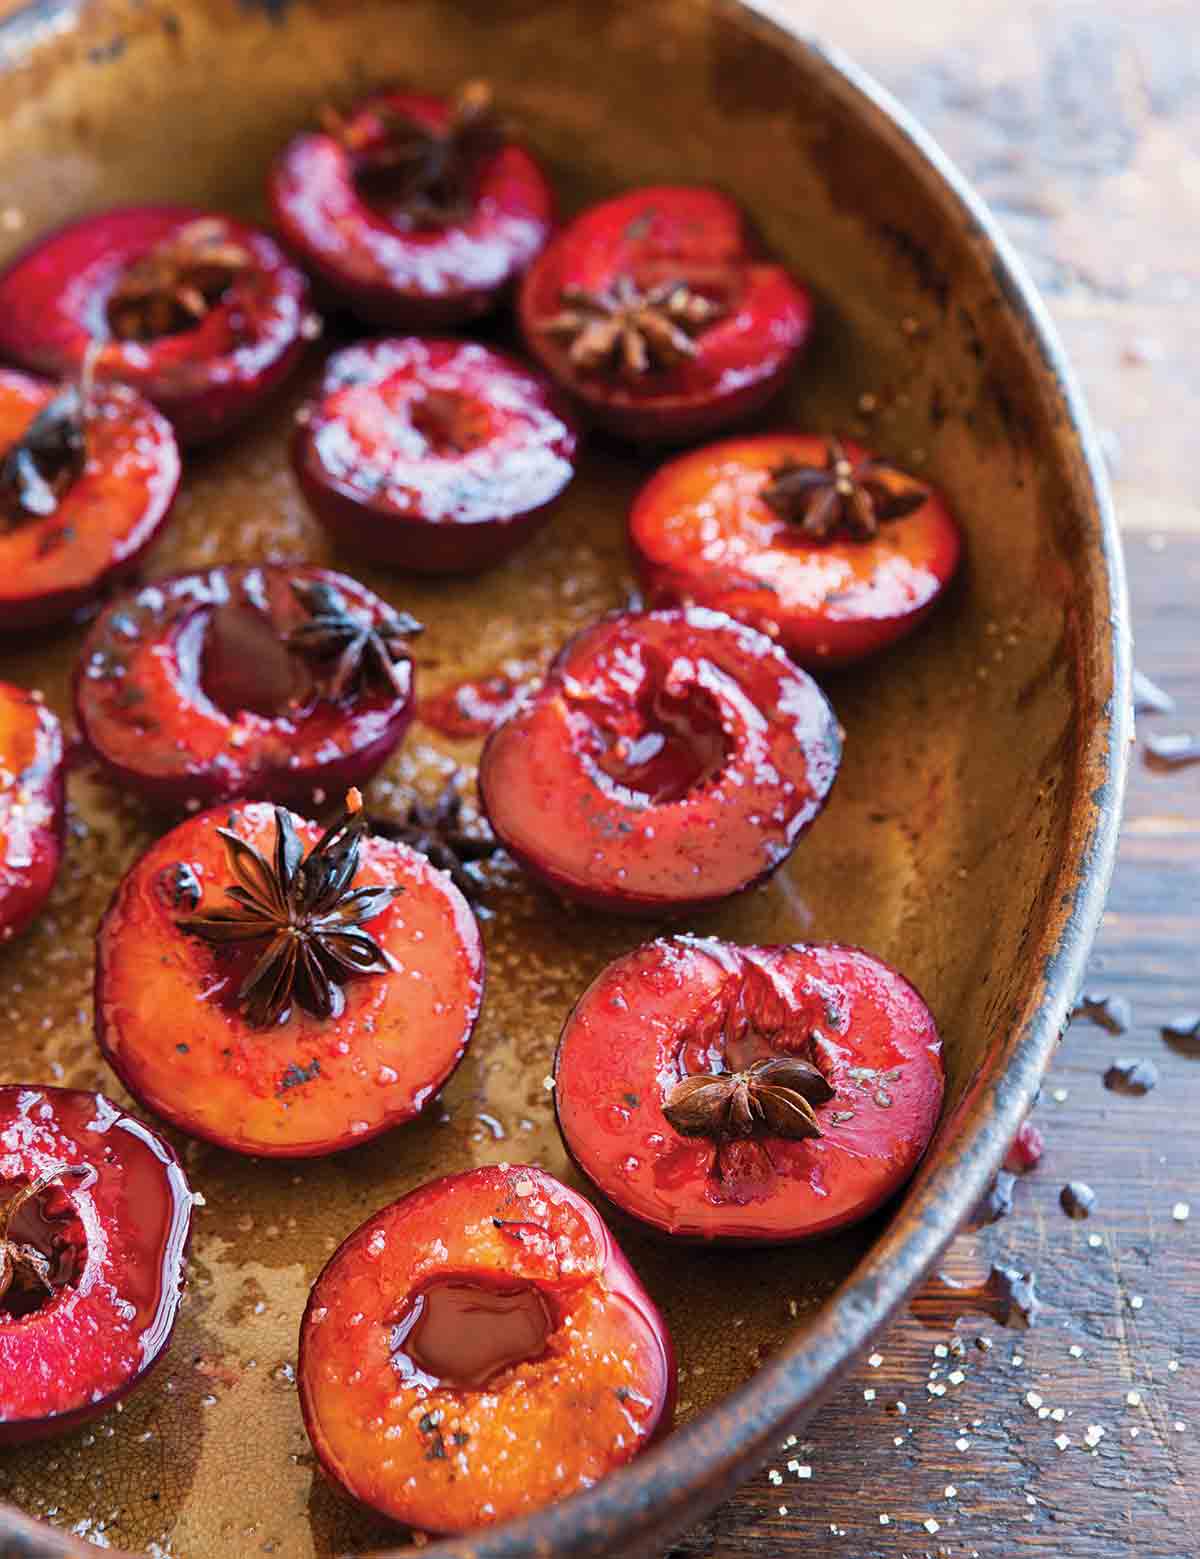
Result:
749,1027
86,484
727,322
478,1349
438,456
170,1024
701,532
670,759
95,1213
207,686
31,806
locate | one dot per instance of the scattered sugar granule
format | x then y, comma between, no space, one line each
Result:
804,1472
935,1389
783,1510
951,1491
1172,1365
884,1520
1017,1360
898,1439
1136,1301
962,1443
548,1084
1095,1241
775,1476
1181,1212
956,1377
1062,1441
1133,1398
1033,1399
875,1360
1058,1414
868,1394
940,1351
1093,1435
1059,1096
901,1408
1075,1351
1043,1412
1134,1432
1179,1426
931,1526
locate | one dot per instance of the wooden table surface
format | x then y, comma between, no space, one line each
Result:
1081,125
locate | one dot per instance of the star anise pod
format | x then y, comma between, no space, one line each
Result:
435,831
841,495
425,174
22,1264
356,650
770,1098
629,330
308,912
172,286
39,468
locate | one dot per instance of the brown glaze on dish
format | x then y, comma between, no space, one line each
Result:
980,763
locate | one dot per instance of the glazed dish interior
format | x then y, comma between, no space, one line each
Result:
940,848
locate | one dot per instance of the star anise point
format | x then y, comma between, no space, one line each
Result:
841,495
627,330
774,1097
356,650
306,910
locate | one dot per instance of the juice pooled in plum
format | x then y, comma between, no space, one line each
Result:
94,1220
479,1349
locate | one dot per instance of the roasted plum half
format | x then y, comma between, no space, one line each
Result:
87,477
659,311
94,1220
437,456
31,806
320,986
197,312
415,212
264,680
822,545
479,1349
669,759
757,1094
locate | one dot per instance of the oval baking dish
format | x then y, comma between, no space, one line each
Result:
973,827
